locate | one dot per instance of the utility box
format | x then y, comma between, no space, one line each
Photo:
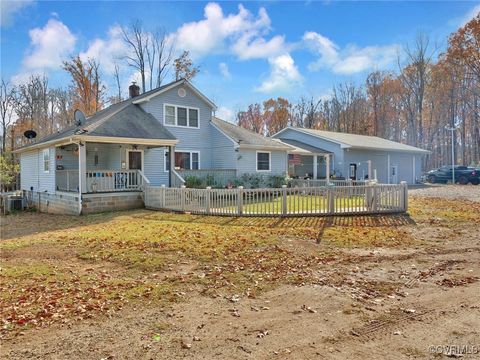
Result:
14,203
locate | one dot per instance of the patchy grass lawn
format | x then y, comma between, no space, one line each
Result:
60,269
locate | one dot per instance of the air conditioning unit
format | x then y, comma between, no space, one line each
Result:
14,203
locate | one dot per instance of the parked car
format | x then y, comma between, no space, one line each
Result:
463,175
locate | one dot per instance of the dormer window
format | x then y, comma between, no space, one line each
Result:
181,116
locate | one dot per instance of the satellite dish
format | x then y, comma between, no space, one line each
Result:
30,134
79,117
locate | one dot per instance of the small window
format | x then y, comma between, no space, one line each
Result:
170,115
184,160
46,160
195,162
263,161
181,116
193,117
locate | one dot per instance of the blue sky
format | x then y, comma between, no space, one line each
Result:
247,52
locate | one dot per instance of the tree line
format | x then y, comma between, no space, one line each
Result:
417,105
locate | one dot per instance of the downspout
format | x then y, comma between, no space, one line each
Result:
388,168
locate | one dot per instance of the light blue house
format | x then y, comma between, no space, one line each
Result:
158,137
170,133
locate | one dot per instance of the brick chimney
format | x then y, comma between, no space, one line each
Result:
134,90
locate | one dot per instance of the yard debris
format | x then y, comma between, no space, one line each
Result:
308,309
196,338
409,311
261,334
234,298
234,312
186,345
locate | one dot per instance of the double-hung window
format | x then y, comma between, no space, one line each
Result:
263,161
181,116
184,160
46,160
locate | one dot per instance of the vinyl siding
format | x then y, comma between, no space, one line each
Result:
154,166
32,174
189,138
403,161
247,162
223,151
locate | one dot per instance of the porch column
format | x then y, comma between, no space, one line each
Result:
327,168
171,176
315,164
82,167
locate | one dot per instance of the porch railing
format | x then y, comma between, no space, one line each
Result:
314,201
113,180
101,180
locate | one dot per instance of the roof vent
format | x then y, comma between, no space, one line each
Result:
134,90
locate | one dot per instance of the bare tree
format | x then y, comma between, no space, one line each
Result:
116,75
7,102
137,40
164,52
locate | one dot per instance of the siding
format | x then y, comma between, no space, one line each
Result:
32,174
223,152
154,166
247,162
189,138
403,161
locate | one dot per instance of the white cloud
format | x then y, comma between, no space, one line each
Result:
349,60
49,46
247,47
225,113
242,33
107,52
223,68
284,75
8,9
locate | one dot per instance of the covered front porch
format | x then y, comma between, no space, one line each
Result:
99,167
308,162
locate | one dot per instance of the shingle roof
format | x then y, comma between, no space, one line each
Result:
361,141
302,147
243,136
123,119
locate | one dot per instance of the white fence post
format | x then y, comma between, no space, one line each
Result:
162,197
331,200
183,190
207,199
284,200
374,196
240,200
404,195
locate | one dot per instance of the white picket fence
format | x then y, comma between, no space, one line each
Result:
324,182
306,201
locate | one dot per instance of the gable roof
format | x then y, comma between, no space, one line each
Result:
302,148
146,96
355,141
246,138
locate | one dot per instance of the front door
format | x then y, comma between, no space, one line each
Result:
353,172
134,160
393,174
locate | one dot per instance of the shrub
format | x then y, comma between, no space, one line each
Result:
192,182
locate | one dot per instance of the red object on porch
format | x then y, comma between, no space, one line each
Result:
295,159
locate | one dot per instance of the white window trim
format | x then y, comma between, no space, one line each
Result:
127,159
180,151
269,160
46,151
176,116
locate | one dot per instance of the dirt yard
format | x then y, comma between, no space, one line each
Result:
152,285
